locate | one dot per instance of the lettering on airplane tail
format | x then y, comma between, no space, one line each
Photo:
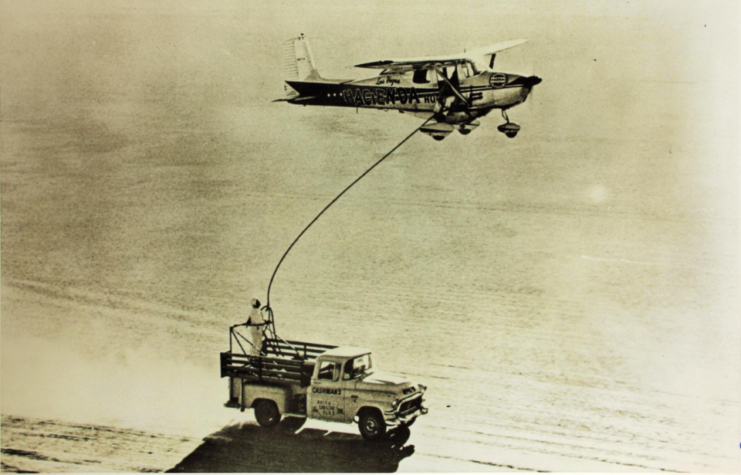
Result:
381,96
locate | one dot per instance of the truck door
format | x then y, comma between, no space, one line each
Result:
327,396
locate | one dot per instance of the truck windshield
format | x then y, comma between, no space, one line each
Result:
358,367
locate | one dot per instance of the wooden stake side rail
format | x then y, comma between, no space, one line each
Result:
295,349
282,361
265,368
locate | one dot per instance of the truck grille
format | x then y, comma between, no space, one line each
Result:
410,406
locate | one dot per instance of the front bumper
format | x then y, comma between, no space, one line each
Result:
407,419
396,417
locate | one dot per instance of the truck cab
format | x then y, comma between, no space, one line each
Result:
345,387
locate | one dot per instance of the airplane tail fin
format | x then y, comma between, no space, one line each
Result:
298,63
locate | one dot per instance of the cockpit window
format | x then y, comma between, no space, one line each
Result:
464,71
357,367
420,76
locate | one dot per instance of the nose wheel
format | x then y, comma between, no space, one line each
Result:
509,129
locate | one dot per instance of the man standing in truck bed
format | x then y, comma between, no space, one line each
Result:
255,324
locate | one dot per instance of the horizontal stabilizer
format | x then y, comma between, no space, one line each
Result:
300,99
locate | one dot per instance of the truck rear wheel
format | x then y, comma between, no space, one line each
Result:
372,425
267,413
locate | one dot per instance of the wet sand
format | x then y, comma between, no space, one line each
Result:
33,445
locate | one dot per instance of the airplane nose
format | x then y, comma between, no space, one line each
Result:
532,81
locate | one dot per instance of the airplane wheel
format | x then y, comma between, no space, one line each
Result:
509,129
267,414
464,131
438,137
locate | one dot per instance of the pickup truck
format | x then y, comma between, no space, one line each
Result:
328,383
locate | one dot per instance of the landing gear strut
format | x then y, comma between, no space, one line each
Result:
509,129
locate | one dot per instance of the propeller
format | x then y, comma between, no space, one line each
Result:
530,82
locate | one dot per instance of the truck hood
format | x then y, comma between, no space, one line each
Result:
380,378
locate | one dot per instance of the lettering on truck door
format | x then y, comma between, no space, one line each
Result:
327,398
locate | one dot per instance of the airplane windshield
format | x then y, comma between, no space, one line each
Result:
358,367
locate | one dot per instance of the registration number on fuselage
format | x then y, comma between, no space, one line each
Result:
383,96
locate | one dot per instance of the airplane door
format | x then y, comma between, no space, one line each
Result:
327,396
445,94
432,76
435,79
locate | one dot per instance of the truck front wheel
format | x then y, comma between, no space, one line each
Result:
372,425
267,413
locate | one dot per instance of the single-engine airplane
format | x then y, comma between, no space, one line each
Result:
454,90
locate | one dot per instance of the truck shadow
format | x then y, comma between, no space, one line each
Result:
250,448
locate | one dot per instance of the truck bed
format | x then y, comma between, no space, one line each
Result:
288,362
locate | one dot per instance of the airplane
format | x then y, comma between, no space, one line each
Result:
452,91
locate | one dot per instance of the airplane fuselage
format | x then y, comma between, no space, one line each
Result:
404,92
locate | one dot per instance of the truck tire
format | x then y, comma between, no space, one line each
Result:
267,414
372,425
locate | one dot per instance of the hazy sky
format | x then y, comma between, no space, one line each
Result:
78,50
611,69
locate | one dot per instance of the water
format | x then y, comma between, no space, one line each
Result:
568,296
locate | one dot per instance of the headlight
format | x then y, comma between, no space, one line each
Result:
394,403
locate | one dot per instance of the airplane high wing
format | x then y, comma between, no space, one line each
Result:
451,92
474,55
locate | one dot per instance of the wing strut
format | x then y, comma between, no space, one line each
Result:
447,81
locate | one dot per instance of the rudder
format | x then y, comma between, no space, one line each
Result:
298,62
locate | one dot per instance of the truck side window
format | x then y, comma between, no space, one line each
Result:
357,367
329,371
